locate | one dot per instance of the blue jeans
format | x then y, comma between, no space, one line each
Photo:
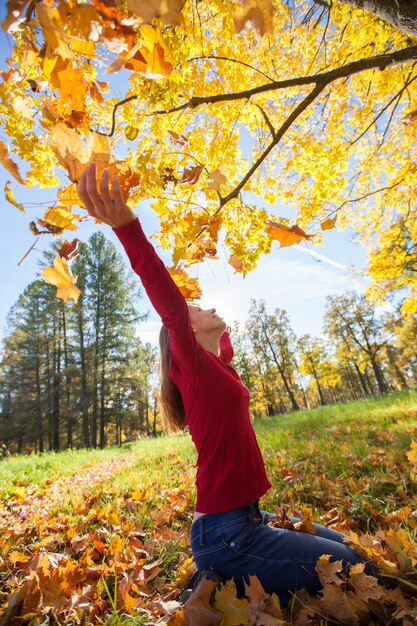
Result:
239,542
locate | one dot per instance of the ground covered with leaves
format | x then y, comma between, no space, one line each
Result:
102,536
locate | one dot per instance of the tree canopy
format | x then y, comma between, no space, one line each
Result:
265,120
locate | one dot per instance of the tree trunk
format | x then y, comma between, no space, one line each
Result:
399,13
68,411
84,385
382,386
361,377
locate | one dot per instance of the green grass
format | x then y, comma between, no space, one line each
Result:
337,440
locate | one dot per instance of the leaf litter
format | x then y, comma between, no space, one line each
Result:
78,549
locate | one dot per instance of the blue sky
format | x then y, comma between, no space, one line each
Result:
296,278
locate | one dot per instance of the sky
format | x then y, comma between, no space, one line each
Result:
296,278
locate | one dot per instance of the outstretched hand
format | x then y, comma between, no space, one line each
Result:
104,203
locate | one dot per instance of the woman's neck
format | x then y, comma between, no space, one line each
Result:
211,343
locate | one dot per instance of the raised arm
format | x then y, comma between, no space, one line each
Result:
108,206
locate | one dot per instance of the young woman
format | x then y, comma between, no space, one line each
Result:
201,390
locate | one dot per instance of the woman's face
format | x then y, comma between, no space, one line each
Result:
205,320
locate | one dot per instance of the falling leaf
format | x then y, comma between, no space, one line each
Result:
176,138
8,163
216,179
131,132
236,263
8,194
259,12
328,571
15,9
68,250
286,235
61,276
58,219
329,223
188,286
169,11
191,175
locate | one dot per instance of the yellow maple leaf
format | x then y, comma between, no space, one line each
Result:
156,51
72,87
8,194
412,453
61,276
188,286
235,610
58,219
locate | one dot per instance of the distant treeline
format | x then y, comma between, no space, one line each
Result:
361,354
77,375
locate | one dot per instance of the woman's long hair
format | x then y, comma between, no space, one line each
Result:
171,401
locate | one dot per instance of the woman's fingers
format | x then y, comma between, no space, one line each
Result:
102,203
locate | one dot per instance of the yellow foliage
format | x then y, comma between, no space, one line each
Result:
214,131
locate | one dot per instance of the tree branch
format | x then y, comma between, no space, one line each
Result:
233,61
380,62
267,120
277,138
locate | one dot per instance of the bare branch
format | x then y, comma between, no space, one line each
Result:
116,106
376,118
267,120
233,61
278,136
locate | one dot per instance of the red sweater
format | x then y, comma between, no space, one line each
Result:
230,469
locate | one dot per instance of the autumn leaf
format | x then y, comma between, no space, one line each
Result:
72,87
286,235
258,12
191,175
169,11
329,571
216,179
58,219
236,263
15,10
8,194
177,139
410,118
156,51
74,155
198,609
61,276
188,286
329,223
234,609
8,163
412,453
68,249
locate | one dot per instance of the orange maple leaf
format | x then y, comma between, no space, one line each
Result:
286,235
8,163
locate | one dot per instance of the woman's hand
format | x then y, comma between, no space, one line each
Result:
105,205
